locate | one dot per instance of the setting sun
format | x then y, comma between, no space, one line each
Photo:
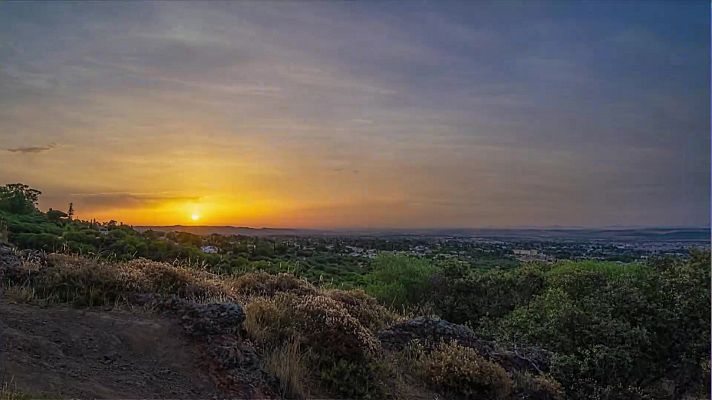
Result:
195,217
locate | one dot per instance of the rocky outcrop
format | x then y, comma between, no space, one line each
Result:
10,263
212,319
217,329
13,264
431,331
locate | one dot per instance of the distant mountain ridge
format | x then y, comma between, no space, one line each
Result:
229,230
620,234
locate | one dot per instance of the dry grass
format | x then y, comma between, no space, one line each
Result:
462,373
321,324
266,323
288,363
266,285
18,294
363,307
92,282
8,391
335,351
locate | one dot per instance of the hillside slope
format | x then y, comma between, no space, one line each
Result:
62,352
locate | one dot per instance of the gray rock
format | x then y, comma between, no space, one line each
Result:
218,328
431,331
10,263
212,319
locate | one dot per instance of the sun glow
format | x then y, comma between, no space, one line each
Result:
195,217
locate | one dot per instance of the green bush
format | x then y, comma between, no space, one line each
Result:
620,330
462,295
354,380
399,281
536,387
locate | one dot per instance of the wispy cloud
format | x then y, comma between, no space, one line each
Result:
31,149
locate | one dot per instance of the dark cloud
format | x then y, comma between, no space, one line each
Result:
31,149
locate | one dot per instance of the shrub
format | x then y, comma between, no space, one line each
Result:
616,332
342,354
264,284
462,295
161,278
79,281
399,281
461,372
363,307
537,387
327,328
267,322
354,380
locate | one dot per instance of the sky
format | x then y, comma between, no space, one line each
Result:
315,114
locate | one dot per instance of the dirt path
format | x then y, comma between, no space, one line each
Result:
64,352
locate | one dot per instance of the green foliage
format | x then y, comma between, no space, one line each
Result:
620,330
56,215
463,295
39,241
17,198
536,387
398,280
354,380
4,234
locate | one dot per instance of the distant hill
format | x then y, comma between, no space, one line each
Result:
662,234
230,230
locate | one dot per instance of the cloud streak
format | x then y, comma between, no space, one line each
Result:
31,149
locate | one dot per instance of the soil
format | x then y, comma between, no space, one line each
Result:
62,352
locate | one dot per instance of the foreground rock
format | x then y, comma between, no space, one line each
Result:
233,361
431,331
10,262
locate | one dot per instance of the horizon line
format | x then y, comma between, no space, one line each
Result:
550,227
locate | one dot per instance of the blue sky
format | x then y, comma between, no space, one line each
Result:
361,114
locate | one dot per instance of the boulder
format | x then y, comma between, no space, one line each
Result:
10,263
217,329
212,319
431,331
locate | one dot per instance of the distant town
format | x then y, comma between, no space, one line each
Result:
546,245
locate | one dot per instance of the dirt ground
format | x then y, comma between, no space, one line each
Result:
62,352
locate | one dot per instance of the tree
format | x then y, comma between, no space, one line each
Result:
56,215
70,212
18,198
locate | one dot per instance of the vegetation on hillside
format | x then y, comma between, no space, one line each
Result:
615,331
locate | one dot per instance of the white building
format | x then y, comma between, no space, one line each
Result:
209,249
